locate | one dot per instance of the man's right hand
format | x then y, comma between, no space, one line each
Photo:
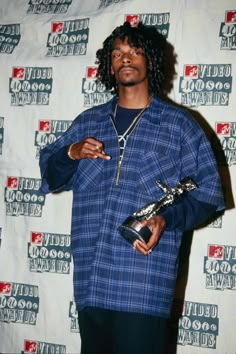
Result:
88,148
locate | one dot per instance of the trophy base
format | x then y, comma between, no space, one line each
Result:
132,230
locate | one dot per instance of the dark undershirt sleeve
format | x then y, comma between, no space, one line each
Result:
60,168
188,213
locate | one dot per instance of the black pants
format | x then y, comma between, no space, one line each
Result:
113,332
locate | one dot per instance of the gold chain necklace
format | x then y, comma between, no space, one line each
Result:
133,121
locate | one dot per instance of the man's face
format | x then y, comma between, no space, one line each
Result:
128,64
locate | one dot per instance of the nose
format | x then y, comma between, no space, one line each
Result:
126,59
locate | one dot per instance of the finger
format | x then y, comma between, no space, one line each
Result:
90,150
94,144
153,241
141,247
97,151
92,147
96,148
94,155
101,155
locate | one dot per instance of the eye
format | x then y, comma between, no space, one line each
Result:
136,51
116,55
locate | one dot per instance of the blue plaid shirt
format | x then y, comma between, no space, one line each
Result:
166,145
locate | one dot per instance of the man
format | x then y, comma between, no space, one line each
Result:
111,157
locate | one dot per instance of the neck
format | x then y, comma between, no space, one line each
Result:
130,98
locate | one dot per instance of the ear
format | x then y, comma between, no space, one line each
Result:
112,71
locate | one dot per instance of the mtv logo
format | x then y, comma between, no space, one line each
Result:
57,27
5,288
215,251
45,126
12,182
230,16
36,238
91,72
30,346
18,73
223,128
132,19
191,71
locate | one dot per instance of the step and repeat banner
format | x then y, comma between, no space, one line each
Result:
47,77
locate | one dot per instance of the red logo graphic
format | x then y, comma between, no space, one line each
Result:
18,73
132,19
92,72
223,128
230,16
45,126
12,182
191,71
5,288
215,251
30,346
36,238
57,27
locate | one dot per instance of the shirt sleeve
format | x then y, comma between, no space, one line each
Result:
197,161
58,171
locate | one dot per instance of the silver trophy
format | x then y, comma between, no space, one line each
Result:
132,228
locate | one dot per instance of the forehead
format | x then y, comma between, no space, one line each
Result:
119,42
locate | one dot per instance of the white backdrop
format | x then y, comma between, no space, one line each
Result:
47,66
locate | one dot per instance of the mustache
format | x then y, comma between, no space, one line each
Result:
126,67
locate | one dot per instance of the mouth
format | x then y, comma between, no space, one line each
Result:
126,69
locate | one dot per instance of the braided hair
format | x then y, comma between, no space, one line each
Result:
147,38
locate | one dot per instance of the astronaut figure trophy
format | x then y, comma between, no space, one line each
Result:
132,228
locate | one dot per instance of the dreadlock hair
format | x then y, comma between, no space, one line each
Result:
147,38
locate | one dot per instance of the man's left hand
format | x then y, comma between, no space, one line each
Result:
157,225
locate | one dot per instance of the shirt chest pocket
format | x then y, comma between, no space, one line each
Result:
157,167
